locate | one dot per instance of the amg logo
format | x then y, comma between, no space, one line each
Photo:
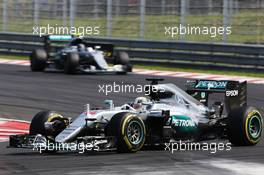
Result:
232,93
186,123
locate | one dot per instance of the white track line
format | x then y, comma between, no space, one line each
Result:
3,139
182,74
147,72
204,76
199,75
12,120
3,122
15,62
12,130
164,73
11,133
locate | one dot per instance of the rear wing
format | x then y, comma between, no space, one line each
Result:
57,40
234,91
54,42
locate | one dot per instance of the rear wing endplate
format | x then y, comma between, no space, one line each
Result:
235,92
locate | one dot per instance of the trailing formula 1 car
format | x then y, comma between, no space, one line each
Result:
79,55
166,115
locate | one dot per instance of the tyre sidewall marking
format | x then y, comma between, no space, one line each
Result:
249,116
53,116
124,124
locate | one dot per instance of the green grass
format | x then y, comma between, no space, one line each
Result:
12,57
247,26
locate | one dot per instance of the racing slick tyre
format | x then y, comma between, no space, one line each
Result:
129,130
71,63
245,126
123,59
38,60
37,125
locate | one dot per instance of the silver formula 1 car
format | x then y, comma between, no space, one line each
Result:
167,114
79,55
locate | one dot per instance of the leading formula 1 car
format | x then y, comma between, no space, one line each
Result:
167,114
79,55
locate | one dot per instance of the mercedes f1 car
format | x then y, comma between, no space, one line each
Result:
79,55
166,115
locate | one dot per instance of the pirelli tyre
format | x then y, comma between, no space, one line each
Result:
129,130
38,60
245,126
71,63
122,58
37,125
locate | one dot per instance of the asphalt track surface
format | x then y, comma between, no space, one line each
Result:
23,93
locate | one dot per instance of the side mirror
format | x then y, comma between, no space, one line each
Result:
110,103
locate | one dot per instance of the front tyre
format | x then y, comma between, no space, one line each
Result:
245,126
37,125
71,63
129,130
38,60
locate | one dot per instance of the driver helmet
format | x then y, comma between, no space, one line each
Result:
139,101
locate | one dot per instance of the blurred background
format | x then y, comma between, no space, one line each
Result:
140,19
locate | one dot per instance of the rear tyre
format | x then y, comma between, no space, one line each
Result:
71,63
38,60
245,126
123,59
129,130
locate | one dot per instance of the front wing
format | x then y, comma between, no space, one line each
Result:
82,144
